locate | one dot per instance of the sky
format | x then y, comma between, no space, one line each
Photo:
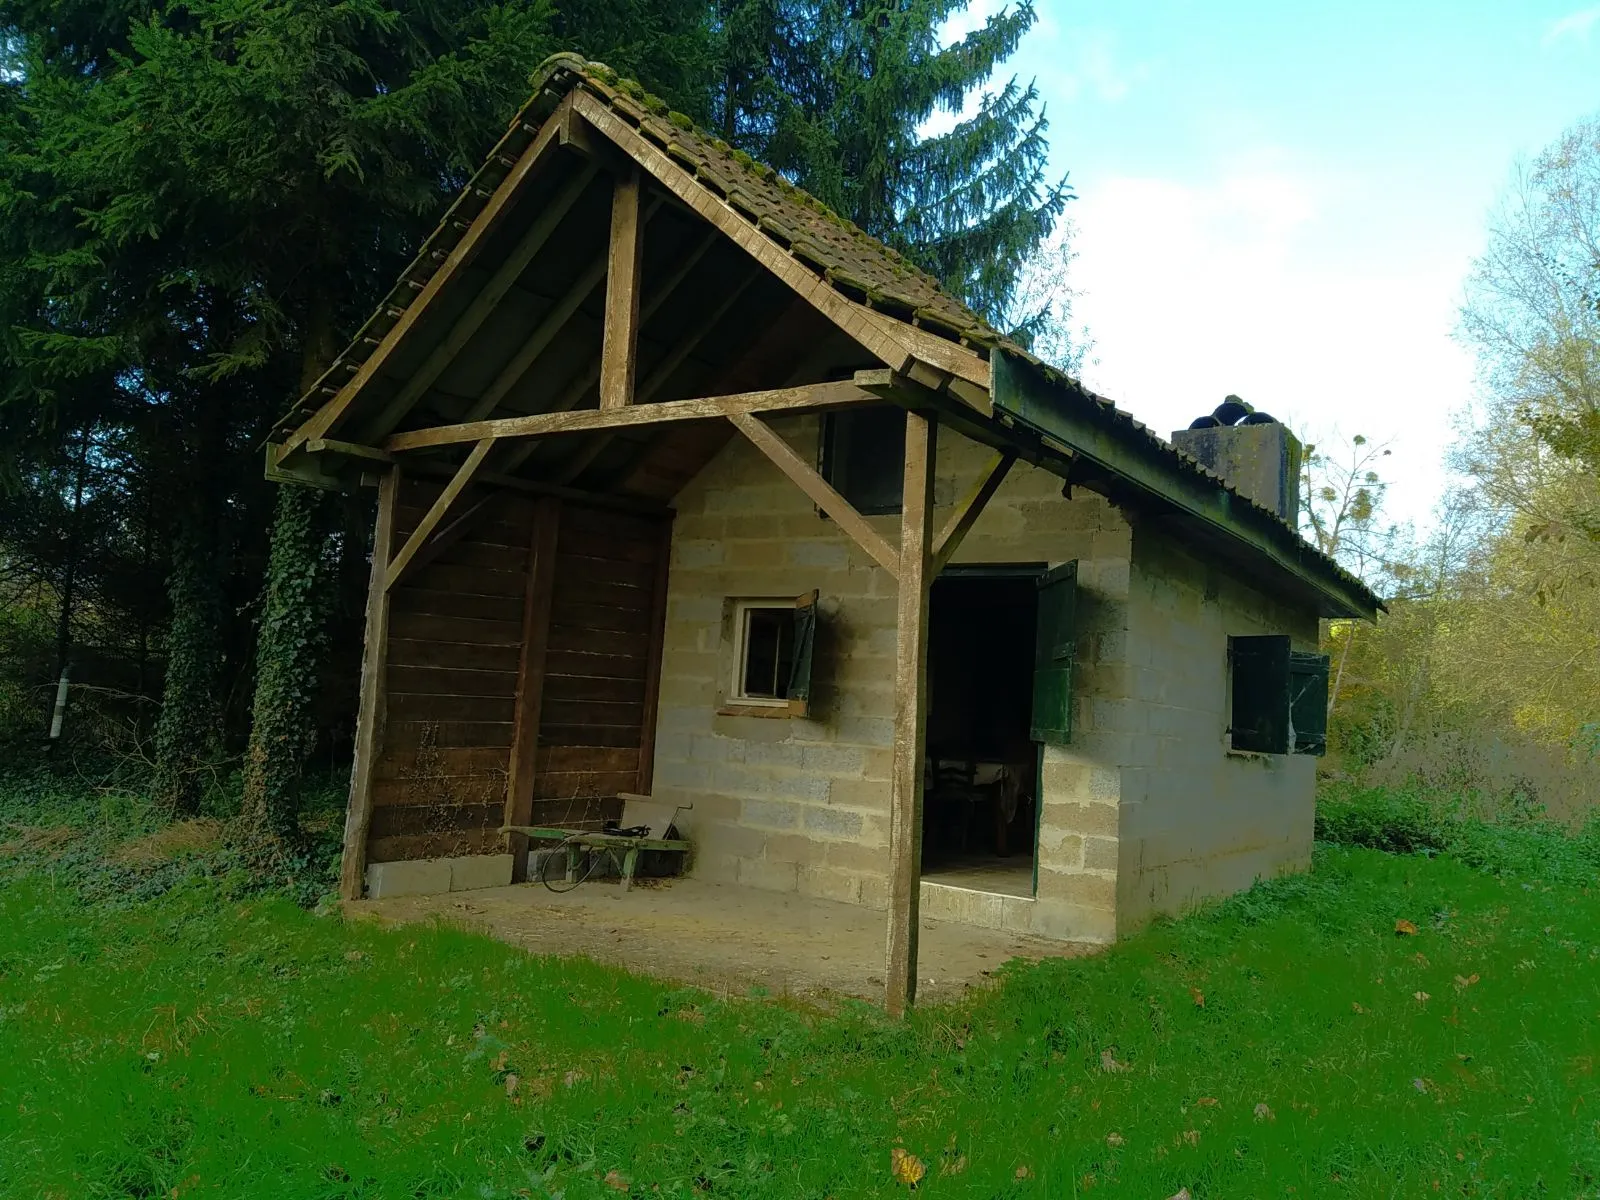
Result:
1283,200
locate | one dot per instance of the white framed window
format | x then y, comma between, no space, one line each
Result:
764,651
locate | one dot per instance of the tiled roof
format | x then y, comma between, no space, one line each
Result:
832,248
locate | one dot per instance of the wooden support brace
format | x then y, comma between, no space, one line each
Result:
809,396
436,513
964,518
537,600
620,343
820,491
910,718
370,712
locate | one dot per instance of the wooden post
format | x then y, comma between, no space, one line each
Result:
620,339
652,680
910,717
369,717
530,678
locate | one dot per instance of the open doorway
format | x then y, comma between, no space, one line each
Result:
980,808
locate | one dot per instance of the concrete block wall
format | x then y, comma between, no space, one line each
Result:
1197,821
803,805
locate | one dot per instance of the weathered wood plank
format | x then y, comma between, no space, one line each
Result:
414,626
407,737
327,418
967,513
652,669
821,492
370,716
452,490
559,760
432,602
484,303
617,736
453,576
540,591
810,396
414,706
910,718
561,664
443,792
572,615
620,340
452,681
452,761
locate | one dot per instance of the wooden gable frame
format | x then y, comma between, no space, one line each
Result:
937,379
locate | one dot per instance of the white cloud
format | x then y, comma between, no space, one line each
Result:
1195,290
1090,64
1577,26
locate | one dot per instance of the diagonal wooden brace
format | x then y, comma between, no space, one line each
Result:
452,491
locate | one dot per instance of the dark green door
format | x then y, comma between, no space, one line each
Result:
1054,647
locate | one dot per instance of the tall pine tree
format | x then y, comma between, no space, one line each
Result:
837,94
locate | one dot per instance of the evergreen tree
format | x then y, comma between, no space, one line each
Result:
203,199
836,95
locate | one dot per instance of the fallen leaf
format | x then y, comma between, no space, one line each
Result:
615,1179
1199,997
1263,1113
1109,1063
1208,1102
511,1084
1115,1139
1466,981
1405,928
906,1168
1354,1007
1181,1194
1192,1136
1421,997
573,1077
954,1166
1420,1084
1023,1172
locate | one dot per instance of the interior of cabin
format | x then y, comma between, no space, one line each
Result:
980,808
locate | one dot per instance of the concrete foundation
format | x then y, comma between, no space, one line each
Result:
430,876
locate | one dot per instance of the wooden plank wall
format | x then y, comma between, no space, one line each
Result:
598,716
455,639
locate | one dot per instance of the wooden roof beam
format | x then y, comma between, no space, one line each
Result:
810,397
484,303
619,348
332,414
893,342
821,492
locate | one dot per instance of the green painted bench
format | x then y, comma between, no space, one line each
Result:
578,840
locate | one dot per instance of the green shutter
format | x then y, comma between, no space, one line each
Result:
1260,693
1308,702
805,637
1054,646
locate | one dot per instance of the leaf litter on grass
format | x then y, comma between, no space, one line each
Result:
261,1012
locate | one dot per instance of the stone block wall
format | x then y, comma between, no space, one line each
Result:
1197,820
803,804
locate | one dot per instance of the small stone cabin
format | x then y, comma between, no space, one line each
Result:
687,487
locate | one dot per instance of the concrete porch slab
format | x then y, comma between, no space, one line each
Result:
722,937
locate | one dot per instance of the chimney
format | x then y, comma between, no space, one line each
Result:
1256,455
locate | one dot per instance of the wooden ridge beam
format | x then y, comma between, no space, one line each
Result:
619,347
966,516
326,419
910,718
811,396
820,491
893,342
435,514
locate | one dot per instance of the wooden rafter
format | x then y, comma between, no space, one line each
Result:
579,387
910,717
484,303
435,514
893,342
966,516
326,419
620,344
658,377
821,492
811,396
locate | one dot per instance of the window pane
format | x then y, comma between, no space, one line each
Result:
768,652
865,457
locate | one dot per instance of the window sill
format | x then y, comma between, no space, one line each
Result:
754,710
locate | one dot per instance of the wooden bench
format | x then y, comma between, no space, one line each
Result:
578,840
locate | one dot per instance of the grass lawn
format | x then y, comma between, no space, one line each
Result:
1289,1043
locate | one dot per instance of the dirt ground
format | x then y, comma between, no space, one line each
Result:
721,937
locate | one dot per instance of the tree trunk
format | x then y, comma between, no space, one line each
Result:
188,730
289,652
69,587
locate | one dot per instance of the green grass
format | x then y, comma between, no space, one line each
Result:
197,1045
